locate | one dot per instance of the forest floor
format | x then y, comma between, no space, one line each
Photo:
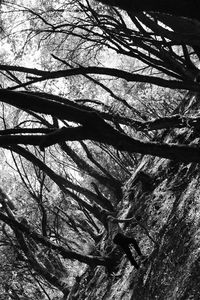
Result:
171,212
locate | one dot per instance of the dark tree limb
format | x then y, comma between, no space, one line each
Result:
176,121
123,142
106,134
87,259
172,84
181,8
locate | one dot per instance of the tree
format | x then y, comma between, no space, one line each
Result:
49,117
177,8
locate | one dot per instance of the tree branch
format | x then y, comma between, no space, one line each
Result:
87,259
184,8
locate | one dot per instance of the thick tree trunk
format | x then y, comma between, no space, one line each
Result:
181,8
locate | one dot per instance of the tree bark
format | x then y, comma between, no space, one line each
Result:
181,8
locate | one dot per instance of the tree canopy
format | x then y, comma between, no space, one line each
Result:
88,89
